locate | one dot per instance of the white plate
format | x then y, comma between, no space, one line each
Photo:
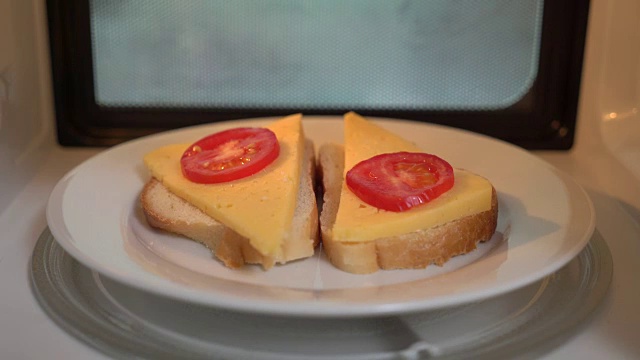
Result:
545,220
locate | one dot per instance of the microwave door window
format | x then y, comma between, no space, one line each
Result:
329,54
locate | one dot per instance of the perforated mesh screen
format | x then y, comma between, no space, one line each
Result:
374,54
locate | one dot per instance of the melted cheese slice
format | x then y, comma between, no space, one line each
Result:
357,221
259,207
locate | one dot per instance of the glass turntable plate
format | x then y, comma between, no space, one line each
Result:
123,321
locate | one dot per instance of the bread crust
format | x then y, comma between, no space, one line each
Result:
414,250
166,211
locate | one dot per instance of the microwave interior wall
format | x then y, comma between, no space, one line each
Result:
508,69
26,109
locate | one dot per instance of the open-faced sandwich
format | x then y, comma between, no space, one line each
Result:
245,193
388,205
248,195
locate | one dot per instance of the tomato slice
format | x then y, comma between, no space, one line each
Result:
229,155
400,181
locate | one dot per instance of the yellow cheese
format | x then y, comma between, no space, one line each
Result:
357,221
259,207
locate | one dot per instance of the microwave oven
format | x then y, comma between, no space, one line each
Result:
559,79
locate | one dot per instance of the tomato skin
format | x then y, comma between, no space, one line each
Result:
229,155
400,181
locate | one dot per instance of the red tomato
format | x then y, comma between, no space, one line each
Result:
399,181
229,155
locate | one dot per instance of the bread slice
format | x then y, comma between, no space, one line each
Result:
165,210
434,245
